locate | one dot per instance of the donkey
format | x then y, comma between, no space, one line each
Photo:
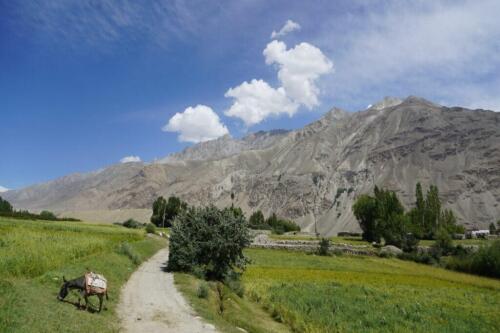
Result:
80,284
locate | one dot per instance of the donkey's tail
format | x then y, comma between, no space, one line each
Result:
107,297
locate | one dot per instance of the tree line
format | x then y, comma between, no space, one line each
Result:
382,216
166,210
7,210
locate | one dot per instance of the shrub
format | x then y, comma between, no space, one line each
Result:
127,250
324,247
202,291
47,215
486,261
422,258
443,244
257,221
233,281
131,223
150,228
210,239
280,226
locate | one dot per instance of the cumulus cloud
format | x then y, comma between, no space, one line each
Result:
196,124
3,189
287,28
128,159
257,100
299,68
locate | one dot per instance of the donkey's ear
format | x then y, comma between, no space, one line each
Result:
64,279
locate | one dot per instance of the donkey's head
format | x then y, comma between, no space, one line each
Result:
64,290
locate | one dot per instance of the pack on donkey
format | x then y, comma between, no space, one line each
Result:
89,284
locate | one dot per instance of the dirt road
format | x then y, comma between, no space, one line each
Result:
150,302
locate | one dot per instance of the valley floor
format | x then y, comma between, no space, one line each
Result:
369,294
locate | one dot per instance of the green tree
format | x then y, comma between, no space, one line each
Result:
443,244
209,240
432,212
159,211
324,247
47,215
257,221
5,206
280,226
448,222
417,214
365,211
164,212
383,216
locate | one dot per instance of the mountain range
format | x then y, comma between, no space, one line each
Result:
311,175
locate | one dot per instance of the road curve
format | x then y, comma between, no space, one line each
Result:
151,303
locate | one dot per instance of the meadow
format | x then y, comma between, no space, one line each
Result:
35,255
310,293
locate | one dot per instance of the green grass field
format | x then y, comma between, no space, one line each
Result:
34,255
367,294
238,312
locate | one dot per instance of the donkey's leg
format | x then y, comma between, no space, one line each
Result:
86,302
100,301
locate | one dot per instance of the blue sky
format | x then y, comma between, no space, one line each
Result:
84,84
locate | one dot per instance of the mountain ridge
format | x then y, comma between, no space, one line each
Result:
314,173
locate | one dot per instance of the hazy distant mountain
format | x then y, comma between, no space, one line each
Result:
226,146
316,171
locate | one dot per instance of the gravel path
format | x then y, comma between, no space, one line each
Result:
150,302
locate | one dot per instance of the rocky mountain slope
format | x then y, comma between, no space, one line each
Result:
313,174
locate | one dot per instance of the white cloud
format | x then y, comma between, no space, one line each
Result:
196,124
425,48
128,159
3,189
287,28
299,68
257,100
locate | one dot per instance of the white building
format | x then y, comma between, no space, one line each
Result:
479,233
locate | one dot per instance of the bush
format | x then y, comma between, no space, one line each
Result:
131,223
233,282
150,228
486,261
127,250
202,291
324,247
210,239
444,243
257,221
280,226
422,258
46,215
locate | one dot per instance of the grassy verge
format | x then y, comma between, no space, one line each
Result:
365,294
238,312
34,255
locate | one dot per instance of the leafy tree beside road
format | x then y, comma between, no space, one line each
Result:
208,241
